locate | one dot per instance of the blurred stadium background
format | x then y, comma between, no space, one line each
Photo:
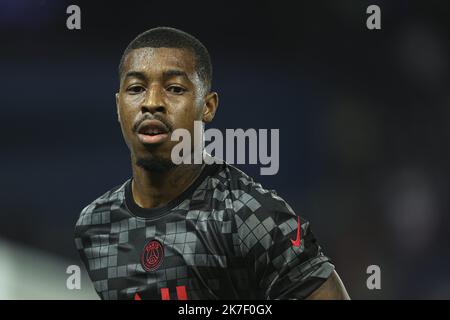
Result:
363,116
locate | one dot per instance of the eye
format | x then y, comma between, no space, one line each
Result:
135,89
176,89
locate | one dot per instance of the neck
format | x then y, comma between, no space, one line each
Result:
156,189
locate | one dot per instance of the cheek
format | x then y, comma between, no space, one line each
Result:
126,117
194,109
185,117
132,101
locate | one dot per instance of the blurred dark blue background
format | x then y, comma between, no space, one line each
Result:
363,117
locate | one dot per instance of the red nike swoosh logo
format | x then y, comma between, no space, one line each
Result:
296,242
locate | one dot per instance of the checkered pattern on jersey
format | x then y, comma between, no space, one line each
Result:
230,239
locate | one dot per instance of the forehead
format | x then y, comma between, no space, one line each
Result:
158,59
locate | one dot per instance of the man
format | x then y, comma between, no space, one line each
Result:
190,231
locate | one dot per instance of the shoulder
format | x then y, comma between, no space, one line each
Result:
264,222
97,209
256,208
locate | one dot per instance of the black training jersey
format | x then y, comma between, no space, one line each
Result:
225,237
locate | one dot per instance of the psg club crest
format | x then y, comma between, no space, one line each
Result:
152,255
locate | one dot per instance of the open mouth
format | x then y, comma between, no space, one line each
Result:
152,131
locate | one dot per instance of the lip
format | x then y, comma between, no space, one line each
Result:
149,125
155,139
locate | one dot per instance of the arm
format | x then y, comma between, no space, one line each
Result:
282,268
283,256
332,289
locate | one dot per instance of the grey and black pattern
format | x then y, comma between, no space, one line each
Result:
226,238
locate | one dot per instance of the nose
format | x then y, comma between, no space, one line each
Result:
154,101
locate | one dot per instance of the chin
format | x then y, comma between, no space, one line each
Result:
154,164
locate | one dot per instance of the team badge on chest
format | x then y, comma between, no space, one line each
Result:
152,256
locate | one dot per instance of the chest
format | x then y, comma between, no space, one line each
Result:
175,259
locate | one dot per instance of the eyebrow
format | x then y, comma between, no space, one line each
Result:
174,73
166,74
135,74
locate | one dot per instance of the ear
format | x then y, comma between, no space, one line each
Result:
211,104
117,107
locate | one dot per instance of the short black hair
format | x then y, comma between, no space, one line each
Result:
174,38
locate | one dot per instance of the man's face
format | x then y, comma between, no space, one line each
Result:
160,91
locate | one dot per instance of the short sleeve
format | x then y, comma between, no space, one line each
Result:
287,262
